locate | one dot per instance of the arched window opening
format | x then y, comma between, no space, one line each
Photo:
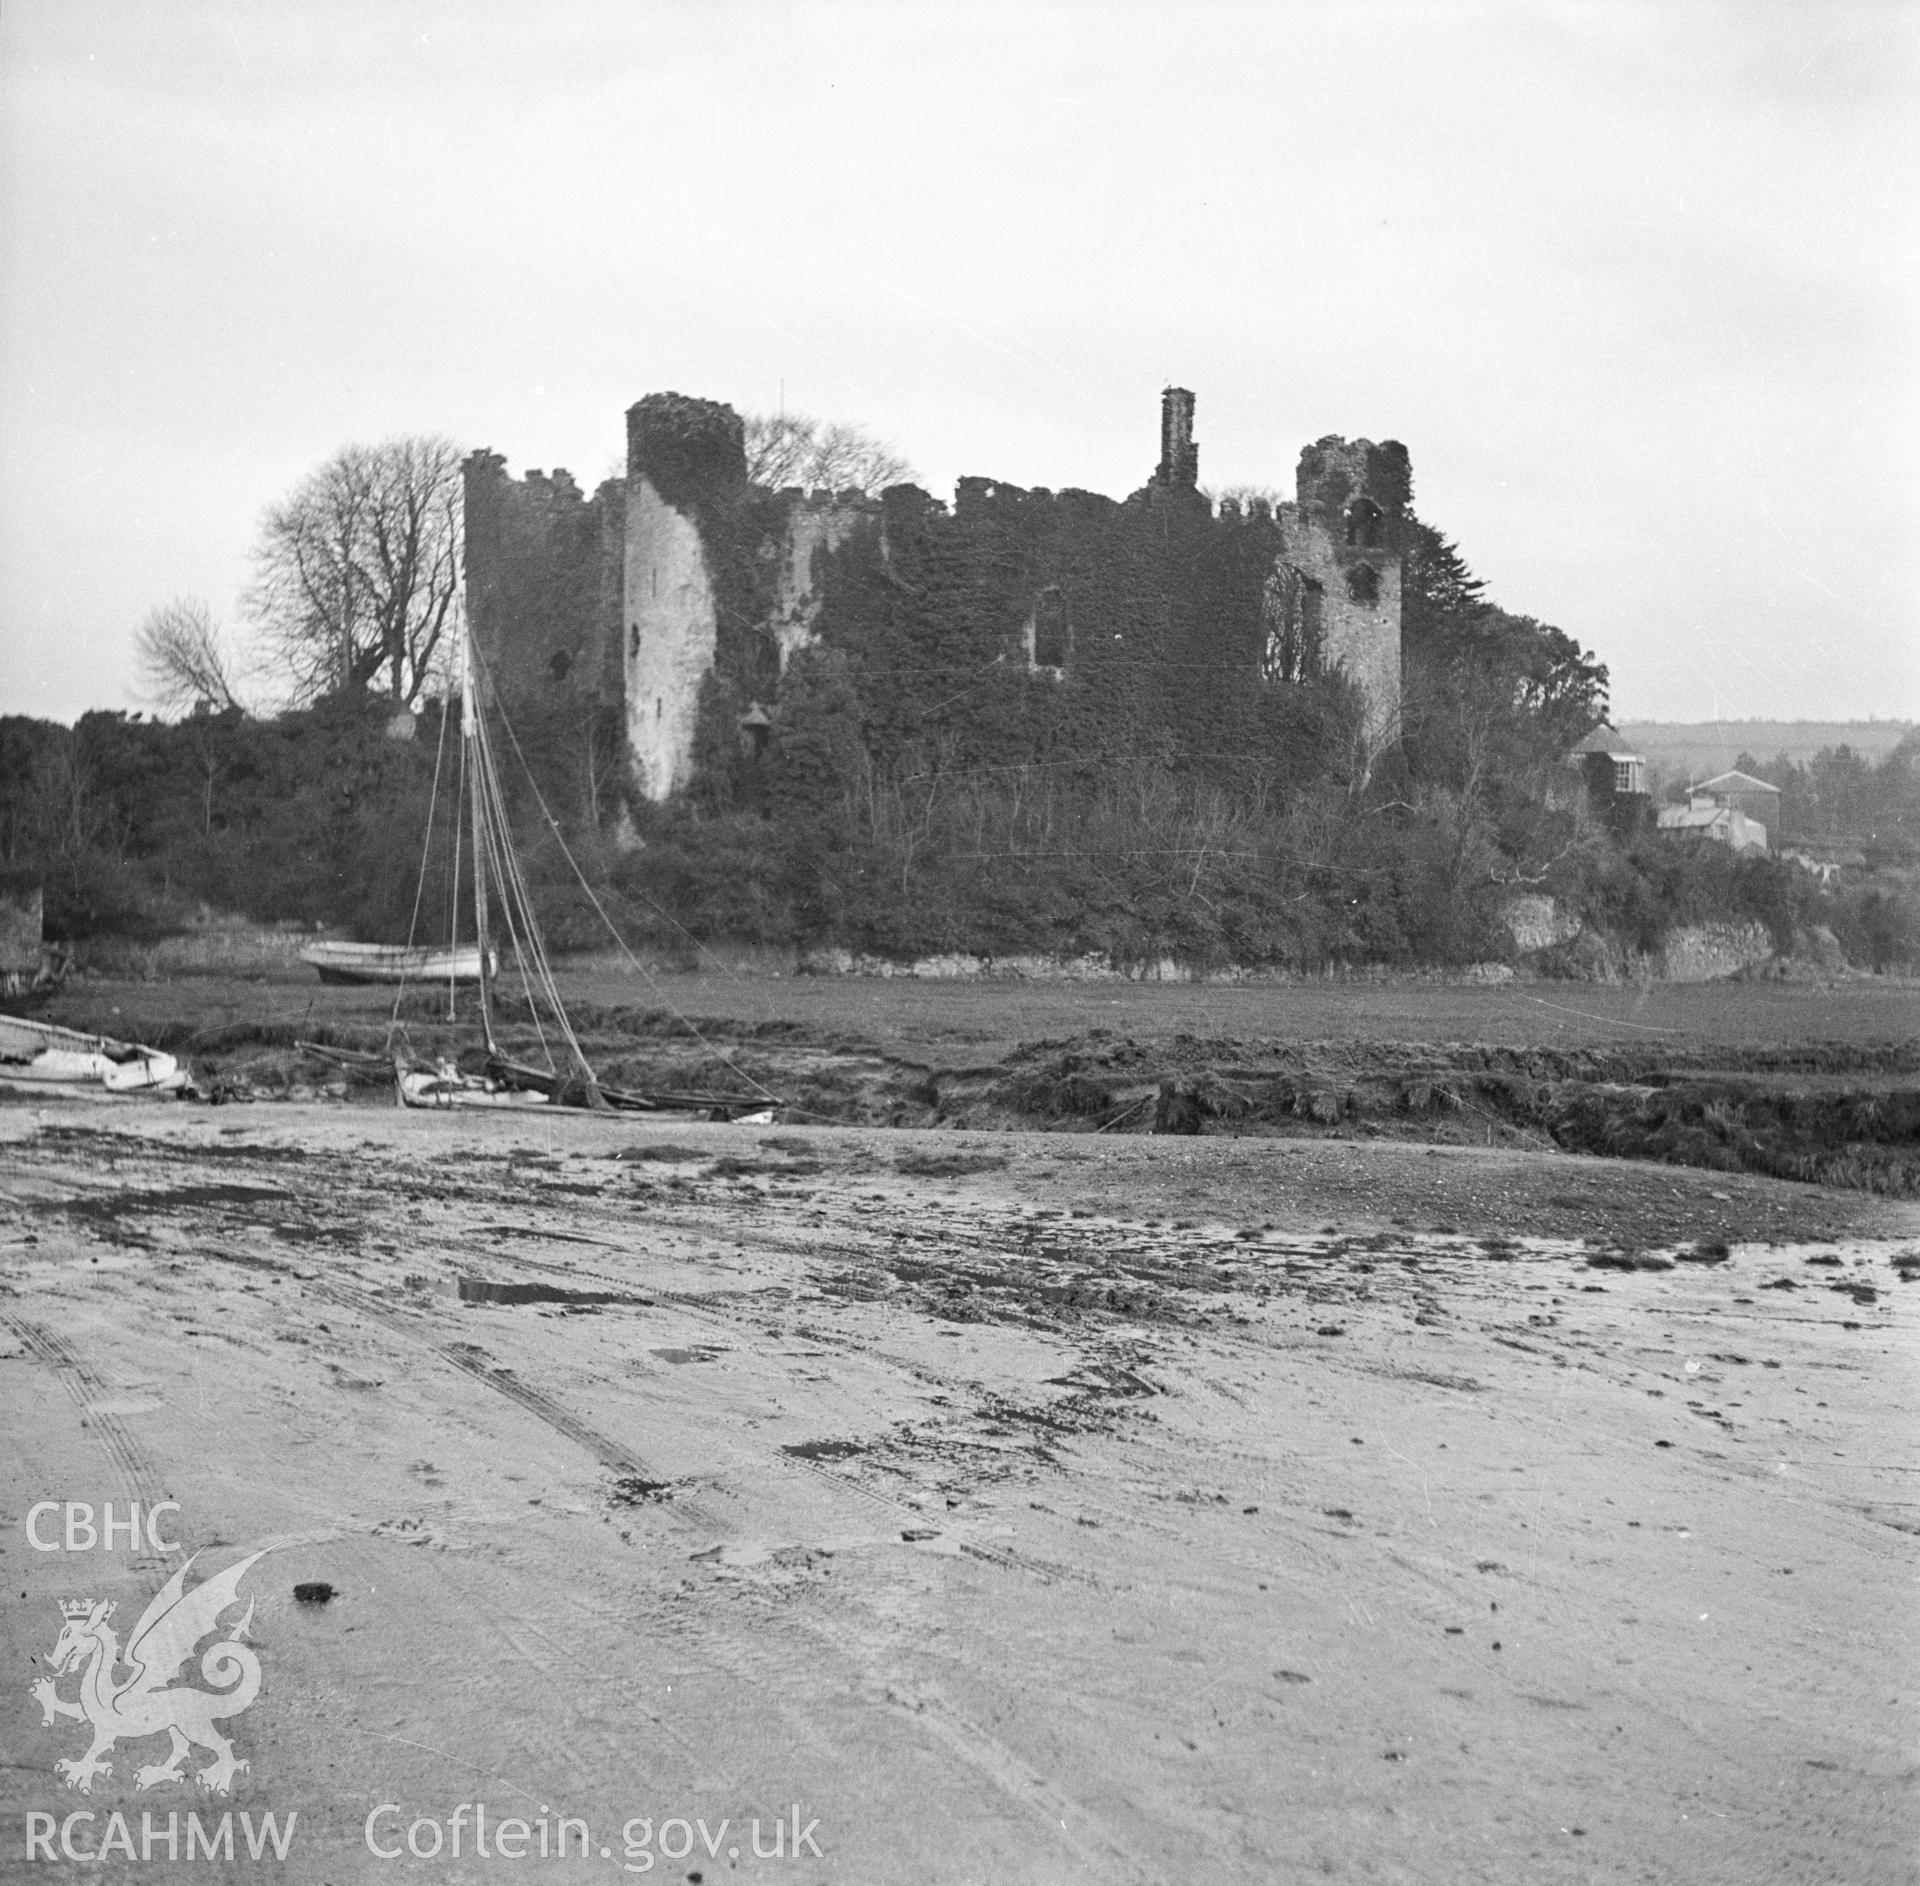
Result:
1366,524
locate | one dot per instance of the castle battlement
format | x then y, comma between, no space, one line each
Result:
691,597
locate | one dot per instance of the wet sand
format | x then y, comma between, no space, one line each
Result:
1023,1507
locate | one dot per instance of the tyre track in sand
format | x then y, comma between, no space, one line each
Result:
620,1459
1063,1820
736,1321
87,1391
1054,1816
474,1362
613,1454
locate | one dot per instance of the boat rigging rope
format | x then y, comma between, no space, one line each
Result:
553,825
515,897
453,889
426,853
496,857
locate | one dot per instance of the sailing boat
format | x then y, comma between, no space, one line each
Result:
64,1059
568,1079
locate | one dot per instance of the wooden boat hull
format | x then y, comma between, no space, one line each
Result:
439,1089
391,963
45,1055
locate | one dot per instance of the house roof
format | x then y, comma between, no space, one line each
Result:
1736,782
1603,739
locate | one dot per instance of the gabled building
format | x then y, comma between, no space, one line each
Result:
1610,766
1614,778
1724,824
1758,800
1731,808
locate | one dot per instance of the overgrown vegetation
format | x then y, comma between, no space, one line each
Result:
319,817
1028,726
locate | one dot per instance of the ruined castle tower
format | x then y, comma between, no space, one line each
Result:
720,579
1336,587
686,459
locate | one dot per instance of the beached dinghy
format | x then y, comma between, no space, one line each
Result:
44,1055
445,1086
393,963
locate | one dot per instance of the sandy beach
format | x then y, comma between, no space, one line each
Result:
984,1507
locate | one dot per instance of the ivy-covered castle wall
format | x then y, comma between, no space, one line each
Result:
1013,627
544,579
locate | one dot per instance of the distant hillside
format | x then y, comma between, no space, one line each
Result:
1697,750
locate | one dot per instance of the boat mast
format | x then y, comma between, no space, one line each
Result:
469,734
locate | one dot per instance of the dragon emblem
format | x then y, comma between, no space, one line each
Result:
146,1701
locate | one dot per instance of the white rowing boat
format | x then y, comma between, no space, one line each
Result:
392,963
446,1086
47,1055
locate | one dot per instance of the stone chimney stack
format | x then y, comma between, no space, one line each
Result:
1179,456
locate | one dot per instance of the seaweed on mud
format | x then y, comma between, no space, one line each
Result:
105,1213
631,1490
484,1290
1060,1091
1718,1109
730,1166
1069,1415
1628,1260
188,1197
1706,1251
947,1165
824,1450
1859,1140
305,1231
59,1139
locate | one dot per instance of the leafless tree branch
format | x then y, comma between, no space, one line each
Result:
357,573
796,449
184,660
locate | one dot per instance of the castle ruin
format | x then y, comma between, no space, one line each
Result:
681,597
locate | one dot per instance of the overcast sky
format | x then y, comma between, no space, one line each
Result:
1635,284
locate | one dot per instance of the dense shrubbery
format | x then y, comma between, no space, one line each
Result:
319,817
313,817
921,793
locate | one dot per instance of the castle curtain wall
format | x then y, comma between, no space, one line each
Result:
1014,627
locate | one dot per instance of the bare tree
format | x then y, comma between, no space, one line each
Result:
797,449
358,570
184,659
